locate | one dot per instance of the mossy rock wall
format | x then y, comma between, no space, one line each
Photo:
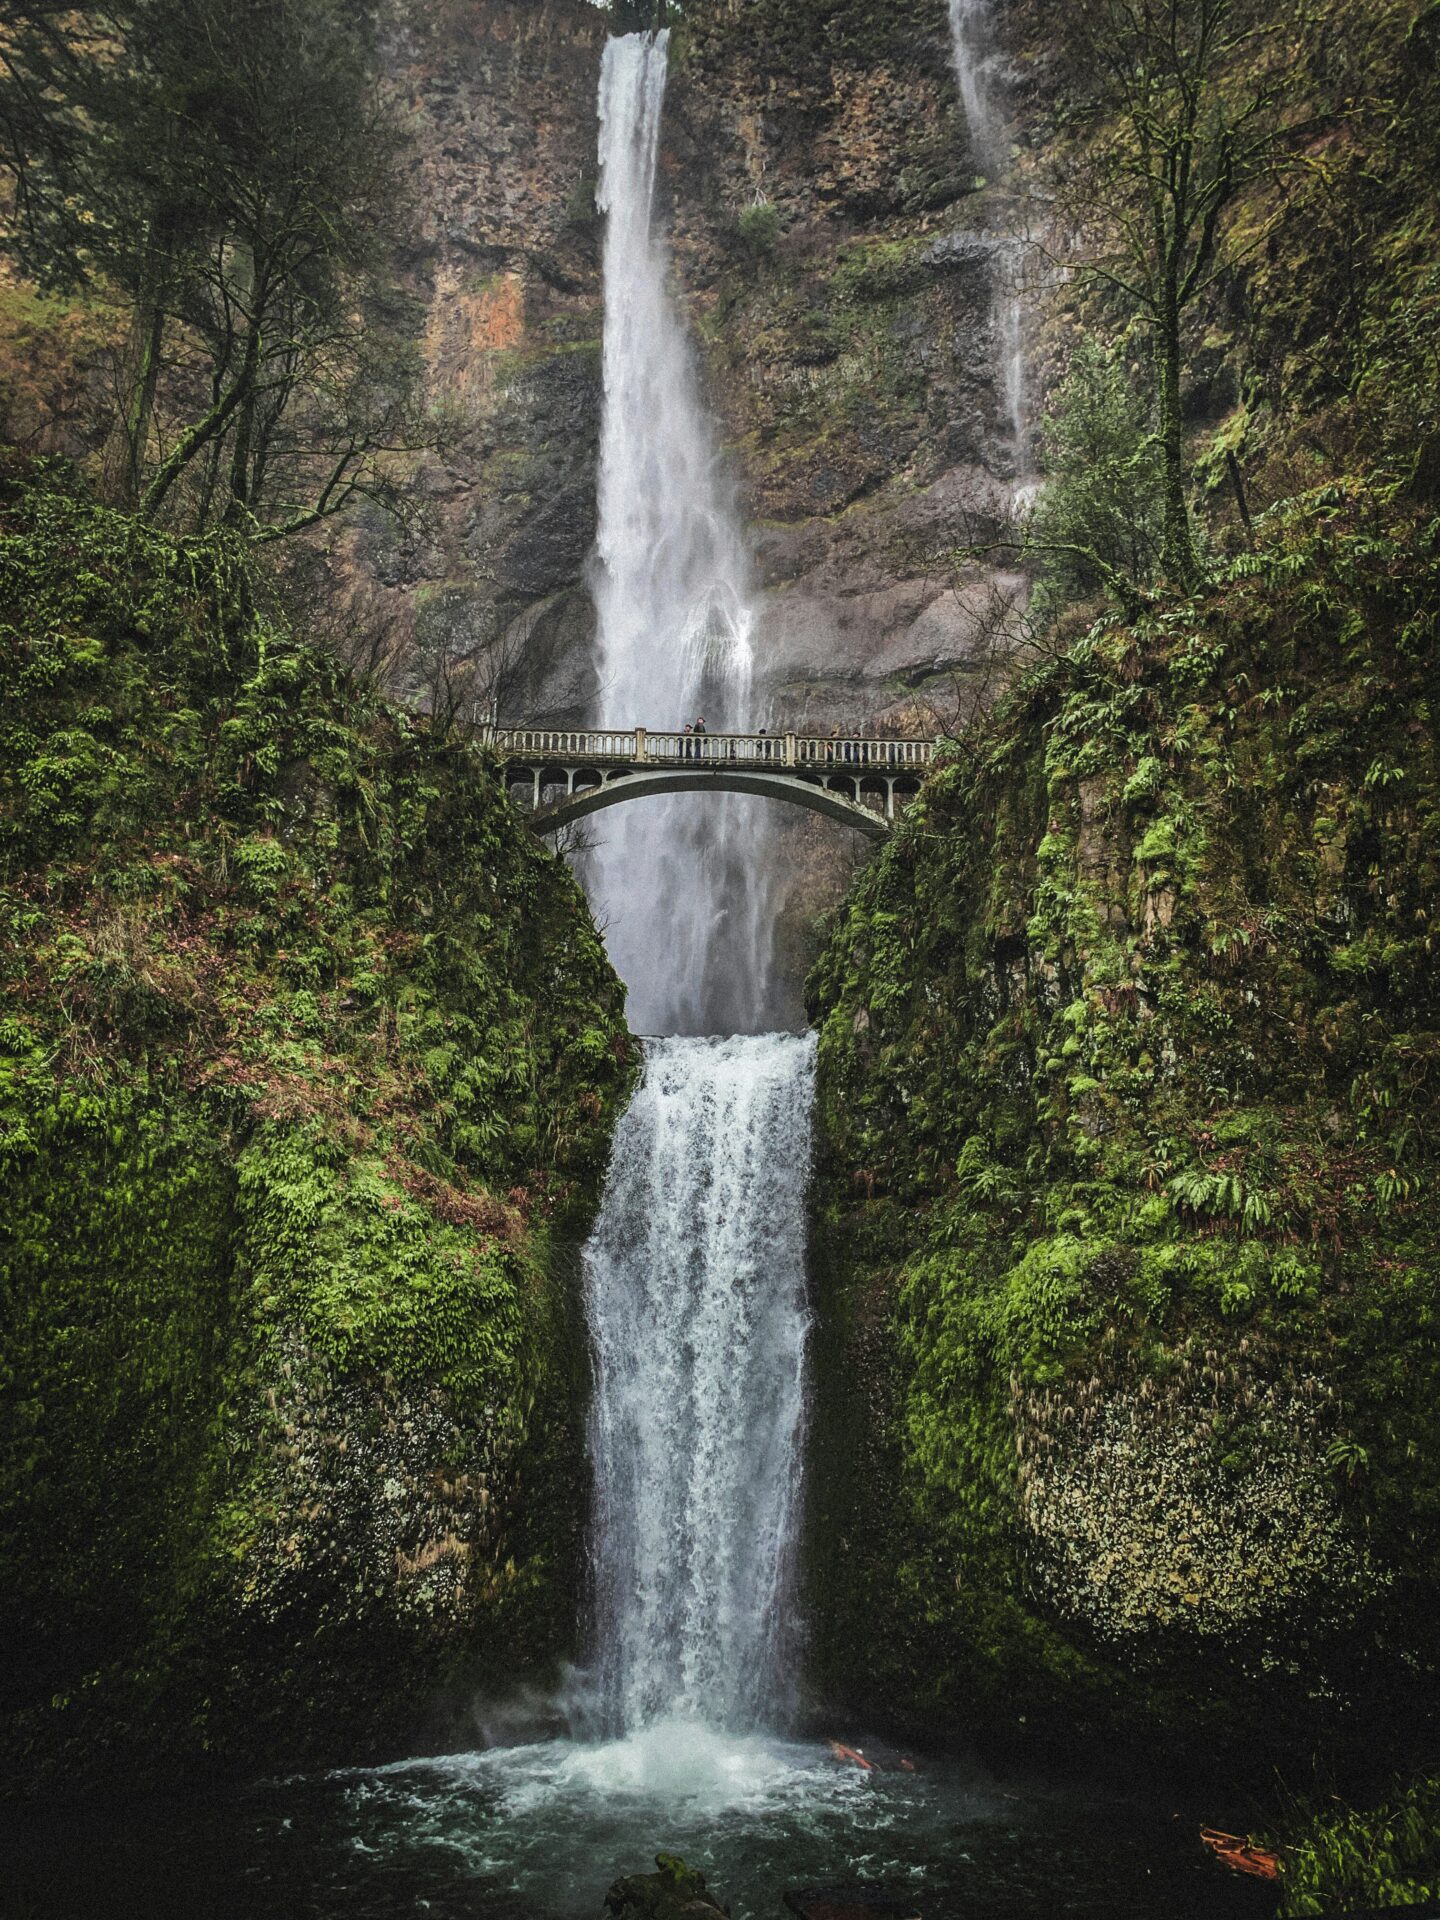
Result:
308,1063
1128,1350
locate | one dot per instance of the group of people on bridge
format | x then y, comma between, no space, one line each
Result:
851,753
695,744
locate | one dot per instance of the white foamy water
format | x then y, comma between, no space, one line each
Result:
695,1298
679,884
541,1830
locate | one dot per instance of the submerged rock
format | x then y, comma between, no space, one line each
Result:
676,1892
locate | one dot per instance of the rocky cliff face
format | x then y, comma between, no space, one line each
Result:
843,265
833,239
506,271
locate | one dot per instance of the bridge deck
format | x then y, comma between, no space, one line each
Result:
638,746
572,772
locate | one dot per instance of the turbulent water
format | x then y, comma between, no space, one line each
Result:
539,1832
680,884
695,1292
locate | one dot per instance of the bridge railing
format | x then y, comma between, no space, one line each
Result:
750,749
562,743
639,747
859,751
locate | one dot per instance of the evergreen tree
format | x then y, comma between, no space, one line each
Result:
1097,521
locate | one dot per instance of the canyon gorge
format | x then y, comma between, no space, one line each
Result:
906,1362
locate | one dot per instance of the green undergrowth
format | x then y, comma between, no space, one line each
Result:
1350,1860
1128,1069
308,1059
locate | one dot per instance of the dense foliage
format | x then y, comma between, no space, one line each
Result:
1129,1052
309,1053
1350,1861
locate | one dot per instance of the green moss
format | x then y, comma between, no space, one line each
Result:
306,1078
1127,1061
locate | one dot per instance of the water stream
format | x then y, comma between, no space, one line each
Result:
695,1294
679,884
980,79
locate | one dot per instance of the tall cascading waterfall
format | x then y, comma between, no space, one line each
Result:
680,884
695,1274
695,1285
979,77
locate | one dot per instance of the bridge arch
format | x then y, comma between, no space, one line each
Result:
619,788
568,774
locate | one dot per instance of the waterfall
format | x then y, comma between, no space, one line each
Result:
695,1292
695,1273
679,884
980,80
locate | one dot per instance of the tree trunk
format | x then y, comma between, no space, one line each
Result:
194,440
124,458
1178,543
244,436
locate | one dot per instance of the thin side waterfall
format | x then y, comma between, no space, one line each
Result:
980,80
973,44
695,1291
679,884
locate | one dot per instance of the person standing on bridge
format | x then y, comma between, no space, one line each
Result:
700,738
687,745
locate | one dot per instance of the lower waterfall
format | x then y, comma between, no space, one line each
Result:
695,1294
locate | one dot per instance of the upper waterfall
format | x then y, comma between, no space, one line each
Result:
979,79
683,896
672,580
972,44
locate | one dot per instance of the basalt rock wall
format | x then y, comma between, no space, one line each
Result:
835,244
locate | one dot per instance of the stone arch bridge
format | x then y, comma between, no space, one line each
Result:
565,774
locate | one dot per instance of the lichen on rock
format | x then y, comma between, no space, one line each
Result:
1138,1519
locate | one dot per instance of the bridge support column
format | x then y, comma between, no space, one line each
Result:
789,749
641,753
535,802
889,799
569,780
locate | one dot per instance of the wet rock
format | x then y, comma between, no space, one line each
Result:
676,1892
550,547
854,1901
